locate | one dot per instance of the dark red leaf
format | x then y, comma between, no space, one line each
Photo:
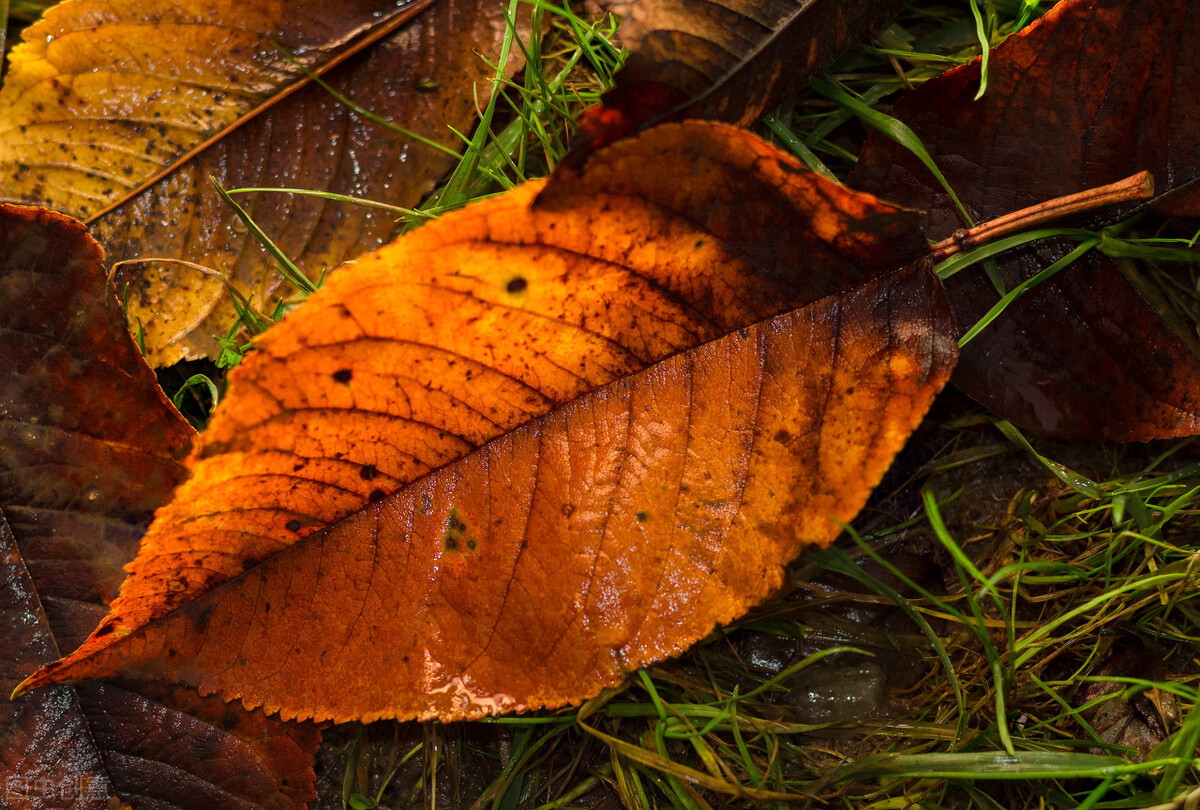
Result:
89,447
1096,91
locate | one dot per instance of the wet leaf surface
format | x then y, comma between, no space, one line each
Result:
1128,105
542,442
89,447
424,77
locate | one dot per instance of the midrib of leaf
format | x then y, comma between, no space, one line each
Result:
390,24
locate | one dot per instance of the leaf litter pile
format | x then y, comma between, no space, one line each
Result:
494,469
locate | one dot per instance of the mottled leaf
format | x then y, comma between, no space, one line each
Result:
101,96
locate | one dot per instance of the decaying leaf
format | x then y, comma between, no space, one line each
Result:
100,97
89,446
1086,336
726,60
541,442
153,98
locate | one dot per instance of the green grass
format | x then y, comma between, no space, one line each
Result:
927,660
1010,623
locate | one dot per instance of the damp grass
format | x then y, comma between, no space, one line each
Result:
951,650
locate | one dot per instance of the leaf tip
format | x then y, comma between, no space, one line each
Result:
28,685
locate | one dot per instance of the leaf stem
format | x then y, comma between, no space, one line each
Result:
1138,186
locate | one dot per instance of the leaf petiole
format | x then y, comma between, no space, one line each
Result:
1138,186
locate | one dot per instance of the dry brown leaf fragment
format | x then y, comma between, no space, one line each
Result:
724,60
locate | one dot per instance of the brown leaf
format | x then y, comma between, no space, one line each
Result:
1129,104
541,442
728,61
99,99
89,446
423,76
44,740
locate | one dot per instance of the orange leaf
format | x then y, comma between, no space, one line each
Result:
540,443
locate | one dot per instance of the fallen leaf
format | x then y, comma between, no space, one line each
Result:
1138,721
1129,105
727,61
89,447
100,98
541,442
424,76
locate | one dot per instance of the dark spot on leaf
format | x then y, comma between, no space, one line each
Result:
457,537
368,472
200,622
293,525
642,516
783,437
516,285
343,375
376,495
